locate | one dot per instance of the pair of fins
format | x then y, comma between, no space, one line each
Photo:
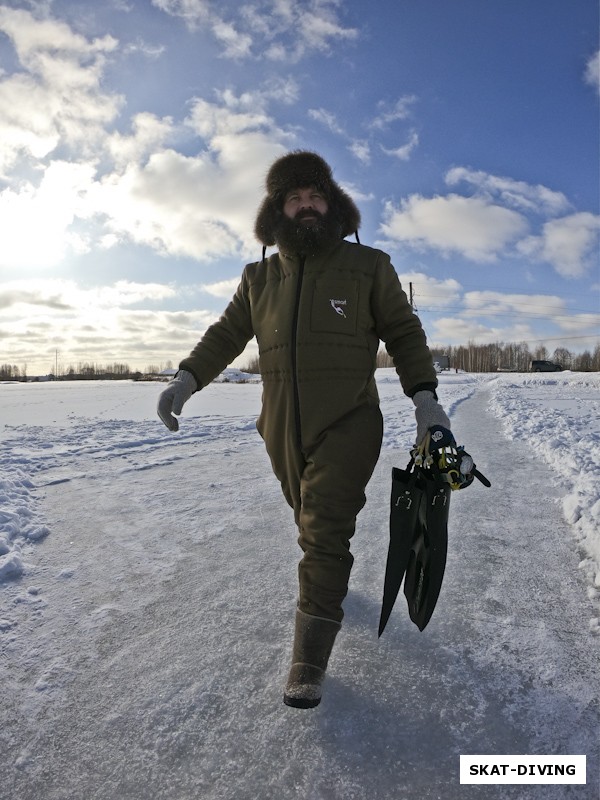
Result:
420,505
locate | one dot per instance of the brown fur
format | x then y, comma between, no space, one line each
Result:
297,170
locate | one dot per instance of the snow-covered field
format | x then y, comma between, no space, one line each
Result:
147,588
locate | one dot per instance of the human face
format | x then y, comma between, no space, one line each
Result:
307,205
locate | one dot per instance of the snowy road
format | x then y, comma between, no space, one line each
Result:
145,645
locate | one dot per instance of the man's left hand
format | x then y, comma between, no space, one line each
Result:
428,412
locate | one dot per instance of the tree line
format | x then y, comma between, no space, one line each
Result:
85,371
468,358
515,357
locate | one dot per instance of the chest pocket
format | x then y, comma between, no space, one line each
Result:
334,307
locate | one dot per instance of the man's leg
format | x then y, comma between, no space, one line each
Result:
332,491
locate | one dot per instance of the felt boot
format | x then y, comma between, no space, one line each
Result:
313,642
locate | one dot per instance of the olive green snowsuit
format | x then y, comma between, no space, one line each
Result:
318,322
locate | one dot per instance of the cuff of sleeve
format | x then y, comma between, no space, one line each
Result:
423,387
194,376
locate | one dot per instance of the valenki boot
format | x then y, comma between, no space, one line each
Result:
313,642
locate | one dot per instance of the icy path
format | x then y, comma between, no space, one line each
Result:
159,651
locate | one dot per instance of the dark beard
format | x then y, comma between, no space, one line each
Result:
296,238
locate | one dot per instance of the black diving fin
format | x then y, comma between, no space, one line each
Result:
420,505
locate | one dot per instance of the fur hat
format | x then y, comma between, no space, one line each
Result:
297,170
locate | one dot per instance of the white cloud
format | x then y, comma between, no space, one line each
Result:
194,12
279,30
361,150
582,322
150,51
476,229
36,221
570,244
134,188
517,194
400,110
94,325
403,152
489,303
490,316
198,206
435,293
592,71
58,97
318,24
236,45
222,289
65,295
148,133
458,331
327,119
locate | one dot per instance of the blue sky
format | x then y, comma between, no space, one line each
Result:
135,136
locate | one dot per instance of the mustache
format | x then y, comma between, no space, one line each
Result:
308,212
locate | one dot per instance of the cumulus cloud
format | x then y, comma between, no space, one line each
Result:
57,98
148,133
570,244
496,220
198,206
478,230
115,186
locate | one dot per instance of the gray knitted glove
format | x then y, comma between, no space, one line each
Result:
171,401
428,412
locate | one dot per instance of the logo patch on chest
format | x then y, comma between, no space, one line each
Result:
338,307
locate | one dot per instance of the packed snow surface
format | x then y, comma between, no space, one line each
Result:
148,584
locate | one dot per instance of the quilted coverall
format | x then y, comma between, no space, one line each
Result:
318,323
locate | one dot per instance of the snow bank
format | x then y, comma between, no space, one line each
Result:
559,417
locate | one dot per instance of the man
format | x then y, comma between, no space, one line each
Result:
318,308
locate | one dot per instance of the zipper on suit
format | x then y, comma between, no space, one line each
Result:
295,354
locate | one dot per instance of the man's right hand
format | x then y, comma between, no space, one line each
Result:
172,399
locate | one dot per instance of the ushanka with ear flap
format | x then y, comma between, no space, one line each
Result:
298,170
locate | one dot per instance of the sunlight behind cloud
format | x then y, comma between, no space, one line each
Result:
36,222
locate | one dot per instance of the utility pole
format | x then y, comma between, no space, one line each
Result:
410,295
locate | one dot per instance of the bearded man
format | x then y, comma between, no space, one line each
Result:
319,308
